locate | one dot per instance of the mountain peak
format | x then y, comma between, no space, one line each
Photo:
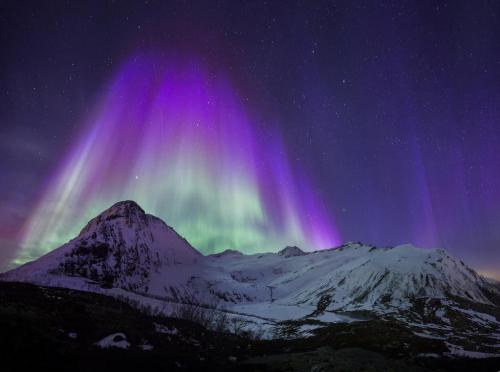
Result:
291,251
227,252
125,208
128,211
125,205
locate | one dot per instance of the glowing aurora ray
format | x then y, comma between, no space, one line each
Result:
178,142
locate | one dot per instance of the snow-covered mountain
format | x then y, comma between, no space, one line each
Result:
121,247
138,254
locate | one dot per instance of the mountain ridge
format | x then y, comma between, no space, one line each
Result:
126,252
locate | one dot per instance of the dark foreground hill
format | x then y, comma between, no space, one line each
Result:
59,329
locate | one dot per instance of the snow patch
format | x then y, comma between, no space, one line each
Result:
458,351
146,346
118,340
160,328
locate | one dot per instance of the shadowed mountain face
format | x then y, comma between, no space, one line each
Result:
128,251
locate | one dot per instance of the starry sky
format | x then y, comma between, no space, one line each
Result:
254,125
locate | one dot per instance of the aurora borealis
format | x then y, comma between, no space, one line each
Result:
254,125
180,144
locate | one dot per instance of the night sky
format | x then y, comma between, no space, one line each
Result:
253,125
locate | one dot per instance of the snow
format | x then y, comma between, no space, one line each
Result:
118,340
273,311
429,335
331,317
160,328
441,314
478,317
146,346
306,330
291,252
457,351
431,326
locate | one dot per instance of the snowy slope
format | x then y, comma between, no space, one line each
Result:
351,277
121,247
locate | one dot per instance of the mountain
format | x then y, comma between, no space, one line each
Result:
128,253
121,247
291,252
